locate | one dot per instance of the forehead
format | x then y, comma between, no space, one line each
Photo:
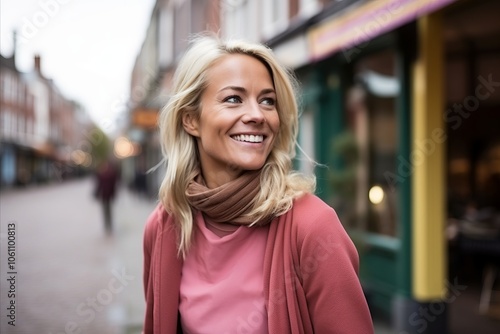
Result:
242,66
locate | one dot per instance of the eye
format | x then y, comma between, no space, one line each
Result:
269,101
232,99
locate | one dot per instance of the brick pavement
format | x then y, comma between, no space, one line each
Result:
71,277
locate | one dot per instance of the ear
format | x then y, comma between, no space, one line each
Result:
190,124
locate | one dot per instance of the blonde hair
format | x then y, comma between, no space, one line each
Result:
279,183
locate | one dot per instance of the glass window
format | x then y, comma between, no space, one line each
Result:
275,16
181,27
305,154
21,127
13,88
21,94
372,135
6,86
240,19
13,124
3,123
29,128
3,87
166,37
309,7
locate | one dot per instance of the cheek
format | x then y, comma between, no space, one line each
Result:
274,123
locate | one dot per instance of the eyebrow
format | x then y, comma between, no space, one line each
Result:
243,90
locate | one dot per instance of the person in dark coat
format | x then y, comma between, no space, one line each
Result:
107,179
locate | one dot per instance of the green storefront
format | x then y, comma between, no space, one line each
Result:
362,116
337,95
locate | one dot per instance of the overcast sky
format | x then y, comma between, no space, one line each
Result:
88,47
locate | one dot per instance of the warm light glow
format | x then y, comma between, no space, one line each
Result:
459,166
376,194
78,157
123,148
81,158
87,162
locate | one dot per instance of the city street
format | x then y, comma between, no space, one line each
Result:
60,272
69,276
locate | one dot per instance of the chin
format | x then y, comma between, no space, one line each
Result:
250,163
252,166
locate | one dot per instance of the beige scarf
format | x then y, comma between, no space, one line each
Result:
229,203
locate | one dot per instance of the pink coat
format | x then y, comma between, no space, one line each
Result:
310,274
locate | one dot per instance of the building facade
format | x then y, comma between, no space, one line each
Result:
397,101
17,120
43,134
172,22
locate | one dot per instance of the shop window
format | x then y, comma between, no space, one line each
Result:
305,155
489,71
371,116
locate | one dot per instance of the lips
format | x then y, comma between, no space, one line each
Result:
249,138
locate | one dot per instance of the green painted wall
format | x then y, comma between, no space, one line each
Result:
385,263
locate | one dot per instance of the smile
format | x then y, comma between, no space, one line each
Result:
249,138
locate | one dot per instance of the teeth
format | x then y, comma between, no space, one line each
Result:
250,138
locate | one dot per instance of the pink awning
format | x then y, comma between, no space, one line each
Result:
357,26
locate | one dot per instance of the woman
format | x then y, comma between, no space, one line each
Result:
239,244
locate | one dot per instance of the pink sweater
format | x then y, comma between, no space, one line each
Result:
222,282
310,274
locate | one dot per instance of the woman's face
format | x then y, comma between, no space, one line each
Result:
238,122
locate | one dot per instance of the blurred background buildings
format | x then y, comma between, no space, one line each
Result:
44,135
400,99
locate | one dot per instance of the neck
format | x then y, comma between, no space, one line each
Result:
220,229
215,180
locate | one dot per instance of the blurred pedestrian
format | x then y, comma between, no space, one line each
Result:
105,191
239,242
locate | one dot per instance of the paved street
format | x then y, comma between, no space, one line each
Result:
68,276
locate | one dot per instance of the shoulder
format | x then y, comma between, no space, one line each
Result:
153,223
158,222
310,211
315,222
309,201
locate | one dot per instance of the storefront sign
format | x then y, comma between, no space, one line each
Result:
360,25
145,118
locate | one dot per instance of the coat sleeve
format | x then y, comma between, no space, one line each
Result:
149,237
149,240
329,273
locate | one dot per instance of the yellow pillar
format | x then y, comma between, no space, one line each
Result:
427,159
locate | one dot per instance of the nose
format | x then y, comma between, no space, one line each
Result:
254,114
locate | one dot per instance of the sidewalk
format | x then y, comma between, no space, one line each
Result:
131,213
71,277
